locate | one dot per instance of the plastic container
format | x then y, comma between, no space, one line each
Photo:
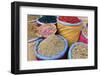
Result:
71,48
59,56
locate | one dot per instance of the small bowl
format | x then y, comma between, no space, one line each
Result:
71,48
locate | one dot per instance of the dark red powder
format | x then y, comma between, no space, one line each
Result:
69,19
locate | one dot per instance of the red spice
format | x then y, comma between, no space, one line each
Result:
69,19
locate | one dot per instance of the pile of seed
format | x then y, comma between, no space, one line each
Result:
80,51
51,46
48,19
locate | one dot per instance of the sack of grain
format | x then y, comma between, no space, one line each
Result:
53,47
69,27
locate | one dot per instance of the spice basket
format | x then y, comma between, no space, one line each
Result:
58,56
71,48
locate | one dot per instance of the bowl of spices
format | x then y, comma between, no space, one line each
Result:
47,20
78,50
51,48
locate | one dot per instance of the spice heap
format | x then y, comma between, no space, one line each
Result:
69,19
32,17
32,30
80,51
51,46
32,26
46,30
48,19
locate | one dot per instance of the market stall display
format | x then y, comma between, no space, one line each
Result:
57,37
